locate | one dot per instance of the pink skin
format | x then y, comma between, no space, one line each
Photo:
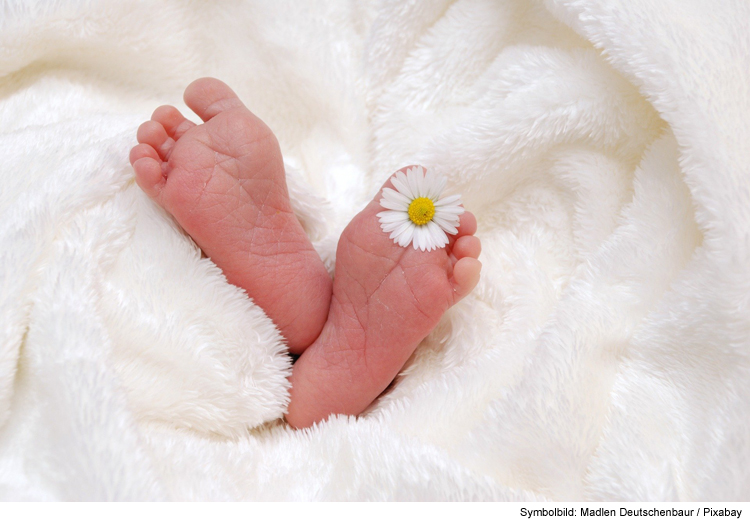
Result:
386,299
224,182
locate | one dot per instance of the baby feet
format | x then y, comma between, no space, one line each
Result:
224,182
386,299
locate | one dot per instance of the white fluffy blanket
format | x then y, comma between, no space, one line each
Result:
603,145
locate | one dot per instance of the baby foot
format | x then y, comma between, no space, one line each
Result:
224,182
386,299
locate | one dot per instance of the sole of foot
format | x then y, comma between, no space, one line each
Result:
386,300
224,183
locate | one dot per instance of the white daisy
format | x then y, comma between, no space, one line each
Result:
415,212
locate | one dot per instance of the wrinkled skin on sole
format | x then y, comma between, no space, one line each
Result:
224,183
386,299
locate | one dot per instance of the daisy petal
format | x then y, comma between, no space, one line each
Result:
424,237
400,230
406,237
390,227
411,175
438,185
393,205
451,218
422,181
417,238
402,185
391,216
430,191
396,197
429,186
438,236
445,225
432,241
456,210
450,200
416,171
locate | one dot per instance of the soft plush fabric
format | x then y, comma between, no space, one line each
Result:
603,145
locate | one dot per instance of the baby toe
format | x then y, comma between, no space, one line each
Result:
465,276
148,175
207,97
141,151
174,123
467,224
153,133
467,247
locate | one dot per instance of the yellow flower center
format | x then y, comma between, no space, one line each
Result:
421,211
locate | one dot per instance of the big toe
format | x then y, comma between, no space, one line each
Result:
207,97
